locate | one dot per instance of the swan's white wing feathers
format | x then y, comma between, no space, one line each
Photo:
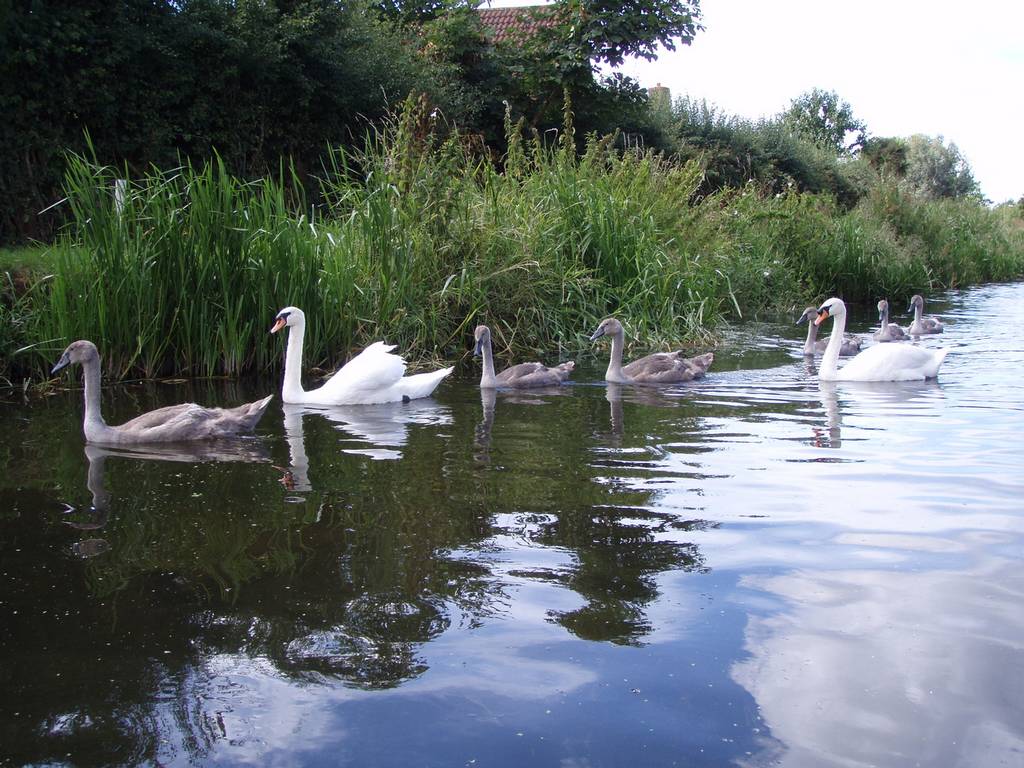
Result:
375,368
889,362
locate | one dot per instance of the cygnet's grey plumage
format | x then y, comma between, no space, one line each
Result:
173,424
659,368
812,345
922,325
521,376
887,331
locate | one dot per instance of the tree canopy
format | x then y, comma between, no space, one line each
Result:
826,120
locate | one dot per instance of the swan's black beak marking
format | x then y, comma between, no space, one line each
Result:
822,316
801,319
476,348
62,363
279,322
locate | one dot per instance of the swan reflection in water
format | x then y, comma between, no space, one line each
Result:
488,402
871,400
657,397
248,450
377,431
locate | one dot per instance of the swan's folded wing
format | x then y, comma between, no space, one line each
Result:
654,364
187,421
519,371
374,368
172,415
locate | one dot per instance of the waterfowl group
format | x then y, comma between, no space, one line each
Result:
377,375
884,362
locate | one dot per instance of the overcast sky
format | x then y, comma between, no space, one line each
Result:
937,67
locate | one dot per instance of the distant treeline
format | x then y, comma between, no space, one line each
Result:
266,84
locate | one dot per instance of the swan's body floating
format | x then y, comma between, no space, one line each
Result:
521,376
659,368
888,331
922,325
173,424
885,362
851,344
373,376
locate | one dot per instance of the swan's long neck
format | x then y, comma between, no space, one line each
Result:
812,336
487,377
94,425
94,480
614,372
830,360
291,390
918,311
885,318
295,436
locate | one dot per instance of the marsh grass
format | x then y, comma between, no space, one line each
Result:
416,238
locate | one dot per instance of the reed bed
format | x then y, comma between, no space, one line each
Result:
415,238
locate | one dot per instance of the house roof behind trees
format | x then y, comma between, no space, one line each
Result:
515,23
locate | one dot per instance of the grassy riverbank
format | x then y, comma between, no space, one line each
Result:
417,240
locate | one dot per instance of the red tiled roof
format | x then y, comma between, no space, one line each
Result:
512,23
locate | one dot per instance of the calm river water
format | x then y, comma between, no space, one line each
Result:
754,569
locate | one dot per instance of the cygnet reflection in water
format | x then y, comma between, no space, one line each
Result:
242,449
488,403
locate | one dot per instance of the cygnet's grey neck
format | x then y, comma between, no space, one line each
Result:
487,378
615,372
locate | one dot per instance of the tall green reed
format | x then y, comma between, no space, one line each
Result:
417,236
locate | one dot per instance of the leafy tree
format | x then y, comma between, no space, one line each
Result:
157,81
888,156
575,37
735,151
826,120
937,170
607,32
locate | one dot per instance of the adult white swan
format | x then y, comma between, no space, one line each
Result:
885,362
373,376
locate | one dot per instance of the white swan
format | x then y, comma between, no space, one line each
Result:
888,331
813,345
173,424
373,376
885,362
922,325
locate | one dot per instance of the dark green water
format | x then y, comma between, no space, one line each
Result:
754,569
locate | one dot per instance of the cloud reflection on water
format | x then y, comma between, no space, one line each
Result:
868,667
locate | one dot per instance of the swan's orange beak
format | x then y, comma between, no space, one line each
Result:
822,316
278,325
